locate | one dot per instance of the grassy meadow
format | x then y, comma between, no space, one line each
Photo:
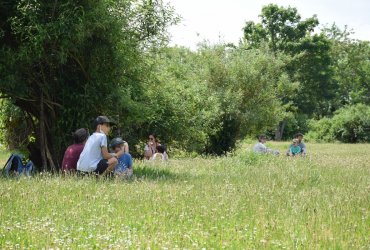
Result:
243,201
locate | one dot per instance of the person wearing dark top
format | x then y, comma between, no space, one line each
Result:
73,152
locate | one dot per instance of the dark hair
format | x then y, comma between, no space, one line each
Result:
298,134
80,135
102,120
116,142
260,137
161,149
155,137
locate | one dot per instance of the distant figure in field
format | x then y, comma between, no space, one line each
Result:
260,147
72,153
295,149
161,153
299,137
124,166
95,157
151,147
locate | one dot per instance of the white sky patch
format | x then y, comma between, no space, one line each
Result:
223,20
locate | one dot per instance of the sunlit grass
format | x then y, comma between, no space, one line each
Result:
241,201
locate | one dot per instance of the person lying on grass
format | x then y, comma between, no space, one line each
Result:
260,146
72,153
95,157
295,149
124,166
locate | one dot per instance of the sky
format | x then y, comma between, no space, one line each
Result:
222,20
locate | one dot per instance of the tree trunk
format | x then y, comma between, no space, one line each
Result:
42,133
279,131
44,148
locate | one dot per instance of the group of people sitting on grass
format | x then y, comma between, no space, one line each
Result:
90,153
297,148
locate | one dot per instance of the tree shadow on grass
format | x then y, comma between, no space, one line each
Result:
157,174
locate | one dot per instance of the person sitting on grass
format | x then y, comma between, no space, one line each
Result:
151,147
124,166
161,153
95,157
72,153
260,147
299,137
295,149
301,144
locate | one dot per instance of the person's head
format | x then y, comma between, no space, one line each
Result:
262,138
299,136
80,135
152,138
117,144
102,124
161,149
295,142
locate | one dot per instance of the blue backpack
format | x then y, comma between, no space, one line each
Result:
15,167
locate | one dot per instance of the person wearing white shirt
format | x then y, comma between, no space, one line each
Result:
95,157
260,147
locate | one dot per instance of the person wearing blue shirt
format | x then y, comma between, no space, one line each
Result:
295,149
124,166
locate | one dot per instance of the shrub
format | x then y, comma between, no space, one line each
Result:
350,124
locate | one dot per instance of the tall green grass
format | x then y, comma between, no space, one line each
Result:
243,201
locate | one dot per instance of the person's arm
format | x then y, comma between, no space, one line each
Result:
125,147
106,154
104,148
120,153
303,147
148,152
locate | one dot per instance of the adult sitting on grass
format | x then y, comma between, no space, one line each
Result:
295,149
72,153
260,147
95,157
151,147
124,166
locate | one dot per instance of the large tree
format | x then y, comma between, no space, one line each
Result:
351,67
283,30
65,62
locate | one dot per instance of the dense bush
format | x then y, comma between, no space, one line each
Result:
205,101
15,131
349,124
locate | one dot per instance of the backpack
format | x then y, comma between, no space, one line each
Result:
15,167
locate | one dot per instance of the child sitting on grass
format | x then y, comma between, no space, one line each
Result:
294,148
95,157
161,153
124,166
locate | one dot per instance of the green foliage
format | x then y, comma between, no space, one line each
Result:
66,62
284,31
349,124
295,123
250,85
14,129
205,101
280,27
351,67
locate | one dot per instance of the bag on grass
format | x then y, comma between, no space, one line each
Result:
15,167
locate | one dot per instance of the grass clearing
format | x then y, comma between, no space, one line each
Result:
241,201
